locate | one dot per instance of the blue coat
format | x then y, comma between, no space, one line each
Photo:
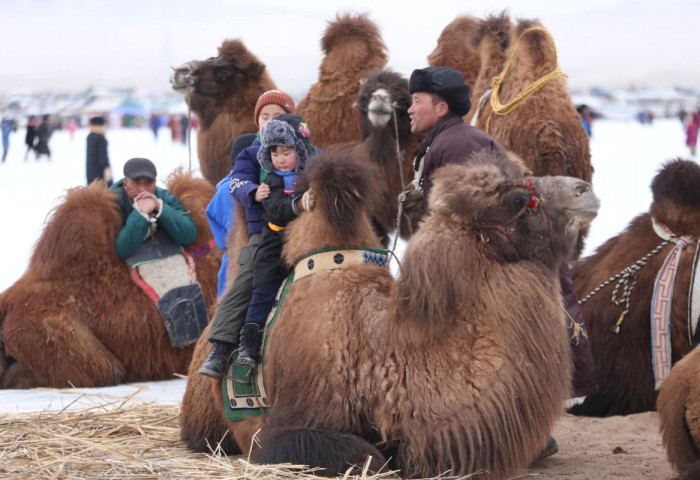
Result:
245,180
220,217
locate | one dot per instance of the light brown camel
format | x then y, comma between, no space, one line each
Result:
353,47
623,360
436,367
76,318
222,92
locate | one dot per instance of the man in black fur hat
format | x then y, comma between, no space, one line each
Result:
440,99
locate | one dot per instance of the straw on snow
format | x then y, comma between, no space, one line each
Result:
116,440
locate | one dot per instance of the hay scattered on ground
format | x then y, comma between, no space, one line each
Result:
116,440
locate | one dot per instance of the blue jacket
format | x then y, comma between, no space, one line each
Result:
245,180
219,214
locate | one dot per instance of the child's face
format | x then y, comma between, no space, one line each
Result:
284,158
268,112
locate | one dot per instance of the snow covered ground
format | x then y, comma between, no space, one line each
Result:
626,156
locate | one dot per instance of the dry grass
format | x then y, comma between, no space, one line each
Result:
116,440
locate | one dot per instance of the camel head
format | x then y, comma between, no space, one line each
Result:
79,236
569,203
676,197
515,219
223,83
384,95
342,189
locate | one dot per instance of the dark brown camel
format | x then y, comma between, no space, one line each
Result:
222,92
624,368
435,366
76,318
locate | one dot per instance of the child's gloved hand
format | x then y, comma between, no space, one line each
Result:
307,200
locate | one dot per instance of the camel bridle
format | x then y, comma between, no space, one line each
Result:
501,228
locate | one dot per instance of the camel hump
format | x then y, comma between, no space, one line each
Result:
678,181
496,27
352,27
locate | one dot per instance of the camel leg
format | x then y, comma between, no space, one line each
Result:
203,426
60,350
335,452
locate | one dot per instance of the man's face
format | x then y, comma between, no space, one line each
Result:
424,112
134,187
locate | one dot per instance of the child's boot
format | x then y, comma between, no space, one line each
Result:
251,337
218,359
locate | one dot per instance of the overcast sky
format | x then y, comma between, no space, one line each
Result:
70,45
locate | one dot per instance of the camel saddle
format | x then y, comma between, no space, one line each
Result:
244,388
167,274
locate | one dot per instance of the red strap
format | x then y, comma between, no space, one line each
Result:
199,252
533,196
147,289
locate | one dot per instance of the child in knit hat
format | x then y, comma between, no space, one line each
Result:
247,190
285,151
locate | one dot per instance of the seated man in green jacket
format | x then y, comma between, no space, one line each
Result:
147,208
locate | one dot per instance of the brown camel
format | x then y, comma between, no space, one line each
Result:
435,368
76,318
679,415
541,126
383,105
623,351
353,47
222,92
453,51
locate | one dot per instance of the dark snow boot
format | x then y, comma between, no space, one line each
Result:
251,337
217,361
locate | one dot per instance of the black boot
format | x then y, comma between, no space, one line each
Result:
251,337
218,359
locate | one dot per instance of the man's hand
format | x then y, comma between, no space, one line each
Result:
146,202
262,192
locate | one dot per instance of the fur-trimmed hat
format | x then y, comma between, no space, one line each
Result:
289,130
446,82
276,97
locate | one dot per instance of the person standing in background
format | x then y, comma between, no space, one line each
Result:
691,130
97,159
43,134
7,126
30,137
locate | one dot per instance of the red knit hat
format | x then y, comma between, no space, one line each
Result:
277,97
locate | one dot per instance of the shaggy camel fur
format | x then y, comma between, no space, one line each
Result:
544,129
453,51
77,302
353,47
435,367
222,92
383,105
679,415
623,360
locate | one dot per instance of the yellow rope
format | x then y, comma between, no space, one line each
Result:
500,109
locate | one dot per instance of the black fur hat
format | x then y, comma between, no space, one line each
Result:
286,129
446,82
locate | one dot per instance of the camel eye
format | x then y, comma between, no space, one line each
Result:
223,73
519,201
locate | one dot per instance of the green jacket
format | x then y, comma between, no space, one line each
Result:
174,219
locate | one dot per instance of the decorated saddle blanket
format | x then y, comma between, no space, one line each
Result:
167,275
244,390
